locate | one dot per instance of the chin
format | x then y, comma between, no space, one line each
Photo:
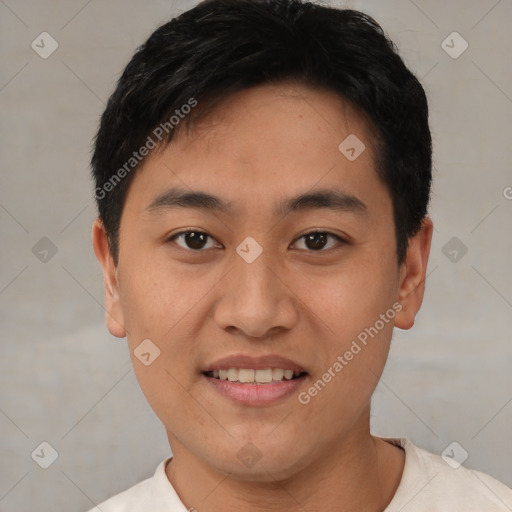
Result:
267,464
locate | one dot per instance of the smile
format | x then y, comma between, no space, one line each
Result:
251,380
251,376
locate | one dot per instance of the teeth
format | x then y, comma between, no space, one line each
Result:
277,374
247,375
263,376
232,374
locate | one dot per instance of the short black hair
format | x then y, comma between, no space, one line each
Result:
220,47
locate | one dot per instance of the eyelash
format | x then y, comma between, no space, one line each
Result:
329,234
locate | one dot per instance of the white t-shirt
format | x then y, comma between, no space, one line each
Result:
428,484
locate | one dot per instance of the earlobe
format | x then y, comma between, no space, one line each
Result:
114,312
413,274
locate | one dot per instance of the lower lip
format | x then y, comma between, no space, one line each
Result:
256,394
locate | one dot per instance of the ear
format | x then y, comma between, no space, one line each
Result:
413,274
114,316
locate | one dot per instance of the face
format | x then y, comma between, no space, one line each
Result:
270,307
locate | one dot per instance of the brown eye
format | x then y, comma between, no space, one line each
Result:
317,241
194,240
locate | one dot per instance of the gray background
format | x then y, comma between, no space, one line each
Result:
66,381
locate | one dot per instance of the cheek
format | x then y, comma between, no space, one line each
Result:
352,298
154,299
344,384
166,392
160,304
356,309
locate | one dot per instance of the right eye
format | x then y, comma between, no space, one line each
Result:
191,240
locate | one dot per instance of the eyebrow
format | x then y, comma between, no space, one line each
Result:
329,198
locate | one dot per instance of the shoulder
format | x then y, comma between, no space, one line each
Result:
127,501
432,484
155,494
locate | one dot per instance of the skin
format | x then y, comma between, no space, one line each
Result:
259,147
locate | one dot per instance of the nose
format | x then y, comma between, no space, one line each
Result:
257,301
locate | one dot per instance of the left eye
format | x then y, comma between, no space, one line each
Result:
315,241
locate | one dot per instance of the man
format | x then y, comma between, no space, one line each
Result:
263,174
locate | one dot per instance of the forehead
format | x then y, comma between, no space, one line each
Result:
288,119
267,141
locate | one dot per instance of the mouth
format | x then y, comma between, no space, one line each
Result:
255,376
255,381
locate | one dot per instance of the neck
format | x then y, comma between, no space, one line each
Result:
361,472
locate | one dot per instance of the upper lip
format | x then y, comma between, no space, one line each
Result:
254,362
